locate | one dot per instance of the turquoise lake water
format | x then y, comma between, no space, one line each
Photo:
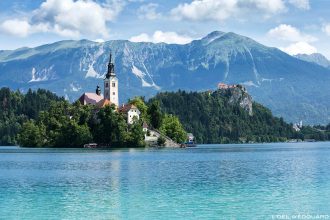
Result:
267,181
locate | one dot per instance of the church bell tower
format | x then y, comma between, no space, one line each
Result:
111,84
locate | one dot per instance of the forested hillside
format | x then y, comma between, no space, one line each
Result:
213,118
42,119
16,108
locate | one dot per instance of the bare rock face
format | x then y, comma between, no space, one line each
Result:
238,94
246,104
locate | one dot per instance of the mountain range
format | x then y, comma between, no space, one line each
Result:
316,58
292,88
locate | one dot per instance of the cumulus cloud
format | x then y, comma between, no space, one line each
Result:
273,7
16,27
162,37
300,42
299,48
301,4
69,18
149,12
287,32
326,29
220,10
21,28
205,10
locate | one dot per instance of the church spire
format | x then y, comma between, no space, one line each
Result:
111,68
111,84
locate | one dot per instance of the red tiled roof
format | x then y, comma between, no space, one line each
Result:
125,108
90,98
103,103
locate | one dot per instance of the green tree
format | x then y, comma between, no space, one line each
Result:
136,135
73,135
31,135
155,114
172,128
111,127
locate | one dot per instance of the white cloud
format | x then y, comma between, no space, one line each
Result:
149,12
16,27
299,48
205,10
301,4
287,32
273,6
162,37
220,10
21,28
141,38
326,29
69,18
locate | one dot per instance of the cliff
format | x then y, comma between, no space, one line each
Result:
238,95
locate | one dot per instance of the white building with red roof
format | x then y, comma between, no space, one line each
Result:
132,112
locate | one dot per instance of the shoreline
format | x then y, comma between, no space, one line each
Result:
197,146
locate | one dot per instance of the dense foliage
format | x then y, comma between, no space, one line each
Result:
40,118
16,108
318,133
212,119
172,128
73,125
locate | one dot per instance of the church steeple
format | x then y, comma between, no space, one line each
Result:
111,84
111,68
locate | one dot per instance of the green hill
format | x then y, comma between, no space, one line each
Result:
225,116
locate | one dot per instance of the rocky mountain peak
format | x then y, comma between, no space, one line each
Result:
316,58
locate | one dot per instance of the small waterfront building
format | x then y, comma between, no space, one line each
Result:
190,137
131,111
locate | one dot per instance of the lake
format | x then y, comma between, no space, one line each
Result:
261,181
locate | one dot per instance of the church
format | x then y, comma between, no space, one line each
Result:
110,95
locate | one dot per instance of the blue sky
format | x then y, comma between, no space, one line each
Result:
295,26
